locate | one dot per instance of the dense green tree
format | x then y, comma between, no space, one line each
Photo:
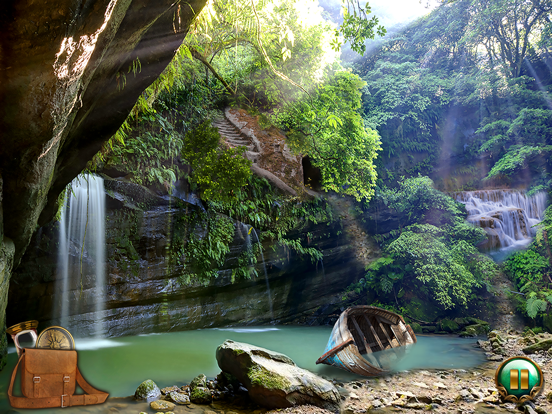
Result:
218,172
432,251
329,129
465,59
505,28
531,270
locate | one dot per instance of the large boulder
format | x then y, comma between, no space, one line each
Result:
273,380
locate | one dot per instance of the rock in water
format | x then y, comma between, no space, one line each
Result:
199,381
179,398
147,390
201,395
273,380
168,390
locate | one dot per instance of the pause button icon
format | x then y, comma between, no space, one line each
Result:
519,379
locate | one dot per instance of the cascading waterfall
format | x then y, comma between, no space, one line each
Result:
508,216
247,238
82,251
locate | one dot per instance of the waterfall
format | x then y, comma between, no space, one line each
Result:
507,216
179,190
266,275
82,252
247,238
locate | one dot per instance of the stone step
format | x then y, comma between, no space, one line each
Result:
227,131
249,147
237,142
237,139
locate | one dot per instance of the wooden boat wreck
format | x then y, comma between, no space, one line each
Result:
365,330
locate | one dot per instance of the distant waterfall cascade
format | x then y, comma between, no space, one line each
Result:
508,216
81,259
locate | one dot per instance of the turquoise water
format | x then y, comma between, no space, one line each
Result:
119,365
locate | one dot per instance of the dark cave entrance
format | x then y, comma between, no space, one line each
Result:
311,175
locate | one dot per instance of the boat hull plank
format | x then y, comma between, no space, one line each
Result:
364,330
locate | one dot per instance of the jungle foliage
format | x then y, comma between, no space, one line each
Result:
531,270
470,65
202,238
432,252
216,172
328,128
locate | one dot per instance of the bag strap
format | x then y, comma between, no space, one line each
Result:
92,396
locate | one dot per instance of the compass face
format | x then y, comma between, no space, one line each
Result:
55,337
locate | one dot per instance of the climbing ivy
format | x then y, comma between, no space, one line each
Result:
202,239
200,243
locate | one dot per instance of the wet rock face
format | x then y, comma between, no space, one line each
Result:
61,90
144,293
61,65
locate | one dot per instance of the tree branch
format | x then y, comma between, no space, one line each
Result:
200,57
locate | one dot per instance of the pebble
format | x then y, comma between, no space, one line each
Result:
529,410
476,393
415,406
464,394
376,403
420,384
440,385
161,405
492,399
401,402
168,390
180,398
405,393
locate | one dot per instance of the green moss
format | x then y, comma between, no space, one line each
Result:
264,378
475,330
199,381
201,395
449,326
416,327
425,311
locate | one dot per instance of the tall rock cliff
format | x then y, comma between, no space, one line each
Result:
62,94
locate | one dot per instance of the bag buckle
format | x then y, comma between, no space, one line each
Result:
63,401
36,380
66,378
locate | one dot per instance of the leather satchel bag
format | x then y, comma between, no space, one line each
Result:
49,378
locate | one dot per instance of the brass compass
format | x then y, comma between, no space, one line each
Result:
55,337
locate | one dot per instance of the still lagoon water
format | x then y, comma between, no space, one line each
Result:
119,365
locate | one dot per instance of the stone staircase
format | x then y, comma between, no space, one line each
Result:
234,137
